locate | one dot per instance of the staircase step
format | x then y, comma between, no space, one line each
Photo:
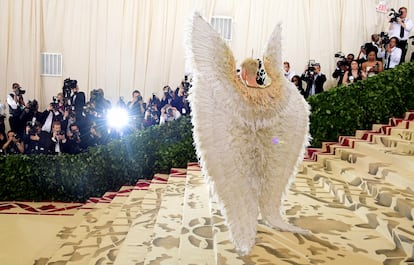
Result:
70,239
140,223
386,154
104,235
333,241
166,236
73,236
387,208
196,239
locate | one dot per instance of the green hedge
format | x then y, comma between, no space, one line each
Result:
339,111
102,168
344,109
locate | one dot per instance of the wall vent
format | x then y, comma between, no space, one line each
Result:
223,25
51,64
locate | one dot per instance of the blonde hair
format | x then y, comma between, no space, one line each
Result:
251,65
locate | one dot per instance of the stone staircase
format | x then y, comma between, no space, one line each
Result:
356,196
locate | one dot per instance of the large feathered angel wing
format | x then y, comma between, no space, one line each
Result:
234,127
291,127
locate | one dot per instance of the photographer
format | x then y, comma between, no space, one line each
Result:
372,66
14,144
31,113
377,44
74,144
136,109
94,137
341,67
400,27
167,97
58,110
16,106
152,115
36,140
169,113
314,79
392,54
58,139
77,100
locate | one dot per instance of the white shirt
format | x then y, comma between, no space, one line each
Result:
395,29
289,75
393,59
11,102
165,117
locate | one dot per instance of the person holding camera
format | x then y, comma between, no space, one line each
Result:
169,113
400,27
314,79
14,145
77,100
136,109
58,139
31,113
341,68
36,140
372,66
75,144
167,96
152,112
392,54
16,104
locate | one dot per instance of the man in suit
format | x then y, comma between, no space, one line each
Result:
58,138
314,79
77,101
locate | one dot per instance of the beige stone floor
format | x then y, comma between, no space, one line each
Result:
23,237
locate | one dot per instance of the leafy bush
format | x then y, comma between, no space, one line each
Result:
103,168
344,109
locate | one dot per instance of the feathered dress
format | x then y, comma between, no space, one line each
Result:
249,140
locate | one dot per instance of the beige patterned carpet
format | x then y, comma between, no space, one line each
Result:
356,197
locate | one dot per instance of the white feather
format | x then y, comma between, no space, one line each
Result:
233,138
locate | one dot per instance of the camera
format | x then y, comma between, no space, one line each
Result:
21,91
170,111
342,61
384,38
310,71
55,103
394,15
32,126
68,85
75,135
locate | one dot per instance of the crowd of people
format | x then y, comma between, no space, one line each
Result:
72,125
384,51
